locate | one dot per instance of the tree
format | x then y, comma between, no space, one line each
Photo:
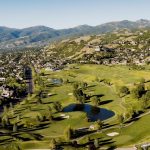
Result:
91,146
75,86
96,143
138,91
14,146
38,118
138,147
95,100
18,89
10,105
128,115
49,109
83,98
146,100
84,85
147,96
39,100
99,125
61,80
5,109
120,119
5,120
79,95
18,118
75,144
53,144
57,106
50,115
40,96
142,80
124,90
148,87
68,133
15,127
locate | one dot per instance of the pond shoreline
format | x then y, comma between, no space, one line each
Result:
93,113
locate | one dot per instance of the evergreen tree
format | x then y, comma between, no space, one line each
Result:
124,90
15,127
99,125
138,91
95,100
96,143
68,133
121,119
58,106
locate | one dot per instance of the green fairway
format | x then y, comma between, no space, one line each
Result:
117,76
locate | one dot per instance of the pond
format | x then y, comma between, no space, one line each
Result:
93,113
56,81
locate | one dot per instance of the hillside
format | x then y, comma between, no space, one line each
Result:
119,47
41,35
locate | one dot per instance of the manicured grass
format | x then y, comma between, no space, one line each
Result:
117,75
135,133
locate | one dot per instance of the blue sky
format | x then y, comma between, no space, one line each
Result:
70,13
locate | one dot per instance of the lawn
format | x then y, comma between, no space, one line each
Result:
116,75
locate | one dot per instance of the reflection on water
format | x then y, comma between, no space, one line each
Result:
56,81
93,113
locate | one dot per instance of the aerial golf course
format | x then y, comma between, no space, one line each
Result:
40,121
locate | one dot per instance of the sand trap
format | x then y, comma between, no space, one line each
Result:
38,149
113,134
70,94
65,116
126,148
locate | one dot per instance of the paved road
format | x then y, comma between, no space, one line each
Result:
37,149
132,148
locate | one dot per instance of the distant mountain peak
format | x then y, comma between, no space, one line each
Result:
38,27
38,35
143,22
84,25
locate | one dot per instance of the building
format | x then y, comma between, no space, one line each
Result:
2,79
97,49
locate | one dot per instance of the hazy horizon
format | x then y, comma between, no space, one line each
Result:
71,26
61,14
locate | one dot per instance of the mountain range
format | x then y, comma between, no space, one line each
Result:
42,35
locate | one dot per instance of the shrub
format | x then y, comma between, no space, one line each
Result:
124,90
138,91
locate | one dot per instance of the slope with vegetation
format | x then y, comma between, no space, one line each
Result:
119,47
41,35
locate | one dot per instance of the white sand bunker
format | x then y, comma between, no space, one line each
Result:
113,134
70,94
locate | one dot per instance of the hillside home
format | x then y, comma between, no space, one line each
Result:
2,79
97,49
